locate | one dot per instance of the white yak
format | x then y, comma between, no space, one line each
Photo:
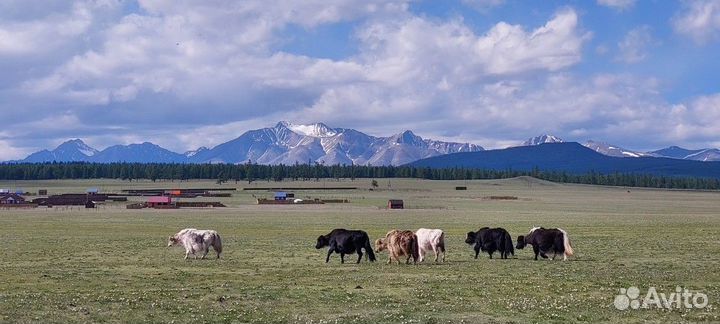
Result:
431,239
194,240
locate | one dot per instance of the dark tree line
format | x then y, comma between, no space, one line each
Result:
255,172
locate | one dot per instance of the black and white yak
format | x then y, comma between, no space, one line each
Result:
544,241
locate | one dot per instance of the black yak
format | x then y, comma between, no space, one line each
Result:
490,240
344,241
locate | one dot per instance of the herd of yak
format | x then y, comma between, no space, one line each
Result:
399,243
414,245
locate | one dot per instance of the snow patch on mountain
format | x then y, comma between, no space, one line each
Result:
314,130
542,139
612,150
195,152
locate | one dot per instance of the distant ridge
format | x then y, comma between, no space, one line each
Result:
572,158
673,152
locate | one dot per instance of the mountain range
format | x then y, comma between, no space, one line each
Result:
289,143
673,152
285,143
572,158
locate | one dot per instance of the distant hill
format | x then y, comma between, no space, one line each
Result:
141,153
573,158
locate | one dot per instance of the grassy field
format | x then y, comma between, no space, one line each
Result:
111,264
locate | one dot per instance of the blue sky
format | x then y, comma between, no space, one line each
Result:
184,74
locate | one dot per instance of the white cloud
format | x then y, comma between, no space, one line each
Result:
554,46
700,20
617,4
273,15
196,50
417,70
396,52
45,34
633,47
10,152
164,55
697,120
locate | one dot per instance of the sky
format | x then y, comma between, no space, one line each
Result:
183,74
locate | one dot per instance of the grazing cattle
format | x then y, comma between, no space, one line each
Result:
490,240
544,241
344,241
399,243
194,240
431,240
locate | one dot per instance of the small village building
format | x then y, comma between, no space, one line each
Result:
11,199
396,204
281,195
156,201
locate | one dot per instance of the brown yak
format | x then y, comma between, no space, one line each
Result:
399,243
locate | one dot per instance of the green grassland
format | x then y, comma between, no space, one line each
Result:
111,264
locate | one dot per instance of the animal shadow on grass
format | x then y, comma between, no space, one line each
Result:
530,258
486,260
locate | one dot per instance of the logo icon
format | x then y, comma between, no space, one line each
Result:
680,298
627,298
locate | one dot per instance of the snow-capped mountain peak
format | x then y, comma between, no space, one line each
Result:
612,150
76,145
289,143
69,151
313,130
546,138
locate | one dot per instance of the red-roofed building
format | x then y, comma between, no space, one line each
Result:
158,201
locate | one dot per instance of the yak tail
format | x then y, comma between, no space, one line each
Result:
217,244
566,243
415,248
441,242
509,248
368,249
